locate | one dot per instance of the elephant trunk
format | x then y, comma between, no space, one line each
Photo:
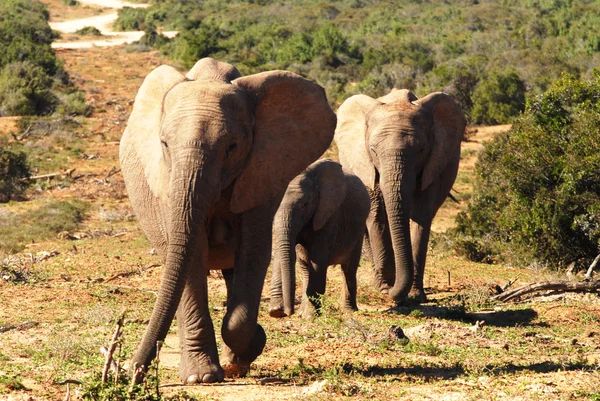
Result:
285,258
187,245
398,184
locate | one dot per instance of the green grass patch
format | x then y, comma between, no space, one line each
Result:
46,221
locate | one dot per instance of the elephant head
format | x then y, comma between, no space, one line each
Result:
209,135
399,144
311,198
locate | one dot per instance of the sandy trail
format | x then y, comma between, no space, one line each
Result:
103,23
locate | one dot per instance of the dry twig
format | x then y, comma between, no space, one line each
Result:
113,346
567,286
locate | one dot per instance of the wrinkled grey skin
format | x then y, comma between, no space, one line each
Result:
406,151
321,219
206,159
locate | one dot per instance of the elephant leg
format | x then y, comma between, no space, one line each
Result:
199,356
420,228
228,277
367,253
305,268
380,242
276,308
348,299
244,338
315,289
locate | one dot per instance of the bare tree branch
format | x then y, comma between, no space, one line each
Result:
566,286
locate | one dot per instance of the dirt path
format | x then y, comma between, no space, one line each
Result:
101,22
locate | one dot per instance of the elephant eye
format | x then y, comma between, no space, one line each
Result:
373,150
231,148
164,144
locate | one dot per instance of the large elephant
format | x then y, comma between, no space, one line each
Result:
206,159
406,151
324,210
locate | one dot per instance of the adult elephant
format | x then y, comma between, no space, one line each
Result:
406,151
206,158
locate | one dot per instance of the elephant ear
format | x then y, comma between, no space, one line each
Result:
399,95
142,134
332,188
210,69
294,125
350,137
448,129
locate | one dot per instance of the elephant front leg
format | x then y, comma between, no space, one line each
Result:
244,338
380,244
199,355
421,217
348,298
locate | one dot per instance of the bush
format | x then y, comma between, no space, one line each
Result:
14,171
498,98
130,19
537,193
89,31
25,90
70,2
74,104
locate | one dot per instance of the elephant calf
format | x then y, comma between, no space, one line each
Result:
323,211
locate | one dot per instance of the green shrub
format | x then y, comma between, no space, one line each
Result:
25,90
14,171
130,19
26,36
498,98
70,3
74,104
537,193
89,31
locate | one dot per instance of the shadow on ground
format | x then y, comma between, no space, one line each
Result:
502,318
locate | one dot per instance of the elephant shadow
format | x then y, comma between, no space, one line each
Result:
457,370
501,318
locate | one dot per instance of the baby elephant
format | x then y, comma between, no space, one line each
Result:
322,217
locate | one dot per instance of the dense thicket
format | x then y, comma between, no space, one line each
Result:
32,81
537,194
487,53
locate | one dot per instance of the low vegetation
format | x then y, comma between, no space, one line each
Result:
89,31
43,222
488,54
14,172
32,79
537,192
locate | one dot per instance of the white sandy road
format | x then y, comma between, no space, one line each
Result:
101,22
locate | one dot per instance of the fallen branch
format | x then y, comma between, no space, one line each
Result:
113,346
566,286
22,326
66,173
590,272
130,273
510,283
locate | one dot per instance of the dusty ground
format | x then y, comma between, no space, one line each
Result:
544,348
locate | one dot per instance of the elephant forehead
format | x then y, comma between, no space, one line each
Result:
402,117
205,94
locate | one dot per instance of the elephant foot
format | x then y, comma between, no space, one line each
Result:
233,366
349,307
417,296
308,310
195,369
277,310
238,364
